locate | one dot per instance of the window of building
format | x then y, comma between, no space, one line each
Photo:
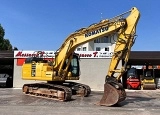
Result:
78,49
97,40
105,39
98,49
84,49
106,48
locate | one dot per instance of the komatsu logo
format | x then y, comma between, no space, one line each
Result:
96,32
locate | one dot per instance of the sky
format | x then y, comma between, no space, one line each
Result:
45,24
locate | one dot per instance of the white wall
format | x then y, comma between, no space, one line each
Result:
93,72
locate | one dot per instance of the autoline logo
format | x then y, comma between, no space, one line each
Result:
96,32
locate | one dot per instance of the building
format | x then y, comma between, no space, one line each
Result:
106,43
94,65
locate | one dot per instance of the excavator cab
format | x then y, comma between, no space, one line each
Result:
74,69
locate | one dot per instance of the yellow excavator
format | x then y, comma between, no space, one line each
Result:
65,67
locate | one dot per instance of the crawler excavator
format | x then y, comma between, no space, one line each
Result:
65,66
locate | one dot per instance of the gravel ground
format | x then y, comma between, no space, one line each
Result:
14,102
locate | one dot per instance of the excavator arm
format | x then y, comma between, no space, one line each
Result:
122,50
124,43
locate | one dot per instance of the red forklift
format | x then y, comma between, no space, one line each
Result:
133,80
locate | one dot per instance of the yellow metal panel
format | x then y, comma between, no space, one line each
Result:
26,70
39,69
42,72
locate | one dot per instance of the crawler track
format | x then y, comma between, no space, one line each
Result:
61,92
49,91
79,89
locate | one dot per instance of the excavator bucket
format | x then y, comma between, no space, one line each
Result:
112,95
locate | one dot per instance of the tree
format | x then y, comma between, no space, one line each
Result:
5,43
15,48
2,33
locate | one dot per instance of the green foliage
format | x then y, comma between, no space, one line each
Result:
2,33
5,43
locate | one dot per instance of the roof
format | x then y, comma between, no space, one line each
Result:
6,57
6,54
143,57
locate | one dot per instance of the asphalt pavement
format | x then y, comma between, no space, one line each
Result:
14,102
